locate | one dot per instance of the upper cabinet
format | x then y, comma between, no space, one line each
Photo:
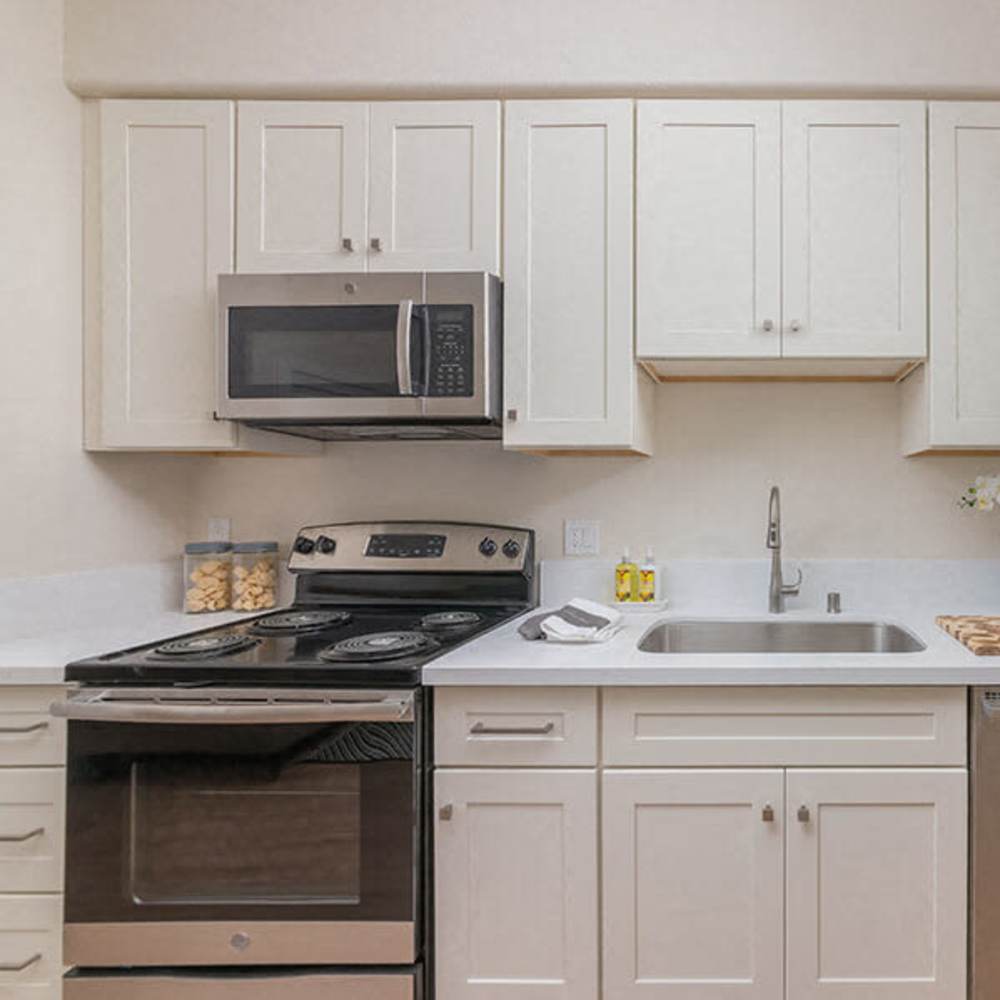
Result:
855,220
570,379
160,231
708,211
341,186
953,403
302,183
781,230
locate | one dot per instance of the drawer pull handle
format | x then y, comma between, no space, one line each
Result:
767,813
479,729
20,838
446,812
23,730
803,814
21,966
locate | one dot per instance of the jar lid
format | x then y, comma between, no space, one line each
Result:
255,547
206,548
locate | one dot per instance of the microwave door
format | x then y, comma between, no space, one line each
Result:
310,359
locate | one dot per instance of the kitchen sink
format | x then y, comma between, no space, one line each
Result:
709,635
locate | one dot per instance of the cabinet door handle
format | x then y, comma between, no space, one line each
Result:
347,244
795,326
479,729
803,814
768,326
20,838
35,727
512,414
21,966
767,813
446,812
376,244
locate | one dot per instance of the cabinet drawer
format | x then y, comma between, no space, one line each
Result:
30,949
29,735
516,726
784,726
31,829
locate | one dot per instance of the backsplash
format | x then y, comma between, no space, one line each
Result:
833,448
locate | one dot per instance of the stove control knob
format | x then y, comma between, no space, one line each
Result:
511,548
304,545
326,545
488,547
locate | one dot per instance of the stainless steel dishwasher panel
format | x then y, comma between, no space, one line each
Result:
984,861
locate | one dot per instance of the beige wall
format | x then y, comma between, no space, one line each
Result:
60,508
374,47
832,447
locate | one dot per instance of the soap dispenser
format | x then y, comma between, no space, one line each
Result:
626,579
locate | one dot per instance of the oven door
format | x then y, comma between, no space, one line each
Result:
305,984
242,827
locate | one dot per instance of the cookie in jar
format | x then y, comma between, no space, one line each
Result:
207,568
255,576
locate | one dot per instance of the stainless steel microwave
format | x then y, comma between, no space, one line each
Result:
362,356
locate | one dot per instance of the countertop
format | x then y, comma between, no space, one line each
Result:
41,659
503,658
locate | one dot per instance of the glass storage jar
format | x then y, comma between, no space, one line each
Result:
255,576
207,568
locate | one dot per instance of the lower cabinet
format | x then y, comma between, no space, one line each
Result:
693,871
842,884
876,884
516,884
832,868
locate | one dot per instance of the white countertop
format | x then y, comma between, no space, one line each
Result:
46,623
41,659
503,658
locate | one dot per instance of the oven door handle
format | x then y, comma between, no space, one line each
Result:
90,708
404,371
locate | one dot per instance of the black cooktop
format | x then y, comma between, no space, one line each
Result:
350,645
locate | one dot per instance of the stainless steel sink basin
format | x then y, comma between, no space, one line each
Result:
708,635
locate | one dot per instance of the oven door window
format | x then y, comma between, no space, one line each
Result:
320,352
170,822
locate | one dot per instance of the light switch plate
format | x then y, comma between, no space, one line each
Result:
582,538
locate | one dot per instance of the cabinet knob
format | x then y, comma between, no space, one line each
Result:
348,244
767,813
768,326
446,812
803,814
376,244
795,326
512,414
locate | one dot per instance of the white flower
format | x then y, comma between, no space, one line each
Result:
983,494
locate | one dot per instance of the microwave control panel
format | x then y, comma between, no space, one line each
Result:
451,351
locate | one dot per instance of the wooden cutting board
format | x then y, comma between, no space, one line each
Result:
979,633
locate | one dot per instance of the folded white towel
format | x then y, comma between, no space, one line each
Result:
578,621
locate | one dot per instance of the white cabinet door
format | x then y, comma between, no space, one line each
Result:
167,233
435,186
962,405
708,240
854,215
516,884
302,170
570,377
693,872
876,884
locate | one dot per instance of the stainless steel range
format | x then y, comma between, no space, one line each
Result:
246,805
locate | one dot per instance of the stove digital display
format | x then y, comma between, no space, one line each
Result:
406,546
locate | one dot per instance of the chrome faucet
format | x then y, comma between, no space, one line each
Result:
778,589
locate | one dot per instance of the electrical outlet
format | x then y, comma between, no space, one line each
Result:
219,529
582,538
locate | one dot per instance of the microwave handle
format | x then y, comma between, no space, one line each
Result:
404,372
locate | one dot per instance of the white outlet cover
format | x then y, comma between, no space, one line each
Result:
220,529
582,538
